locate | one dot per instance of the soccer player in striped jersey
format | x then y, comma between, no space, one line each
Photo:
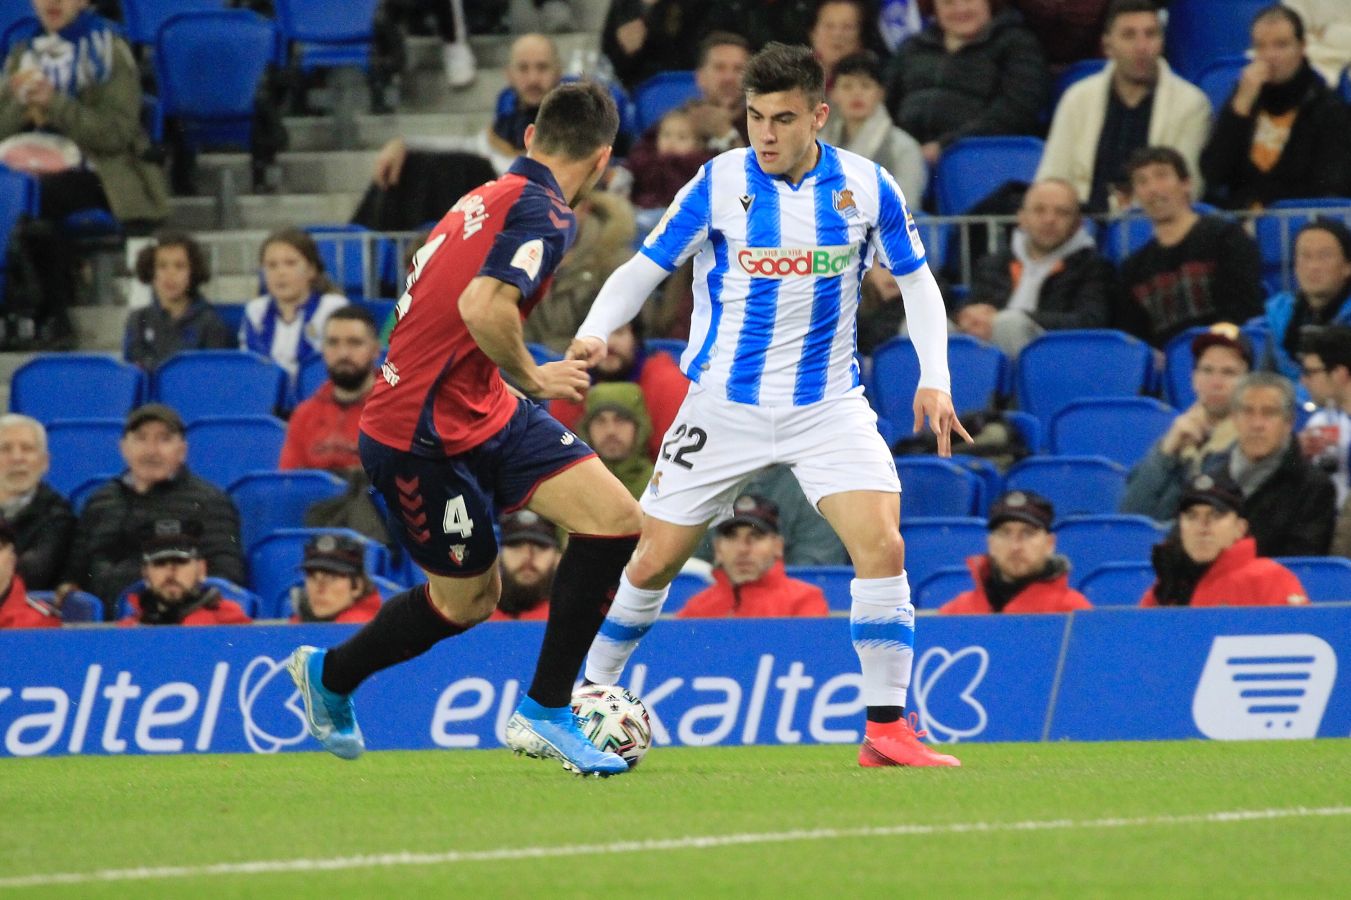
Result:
782,233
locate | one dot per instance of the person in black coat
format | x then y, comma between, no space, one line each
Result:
40,517
1283,134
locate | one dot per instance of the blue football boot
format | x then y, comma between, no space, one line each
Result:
555,733
331,717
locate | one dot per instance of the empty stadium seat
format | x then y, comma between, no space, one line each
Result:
270,500
1202,31
979,373
357,260
1090,541
18,198
312,376
1326,579
971,168
142,19
933,544
1074,72
1117,583
933,487
661,93
832,580
83,449
1119,428
941,586
1075,485
1063,366
200,383
275,561
223,449
673,347
75,386
1217,79
326,34
77,607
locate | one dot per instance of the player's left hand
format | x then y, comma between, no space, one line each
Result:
936,406
590,350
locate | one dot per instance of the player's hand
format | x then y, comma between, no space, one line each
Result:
590,350
389,164
936,406
566,379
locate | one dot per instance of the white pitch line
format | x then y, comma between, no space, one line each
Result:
385,860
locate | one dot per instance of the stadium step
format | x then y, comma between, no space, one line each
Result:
310,172
265,211
318,134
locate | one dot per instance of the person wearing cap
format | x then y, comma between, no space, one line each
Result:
157,484
1210,560
174,589
1020,572
749,581
617,426
42,520
1201,434
1322,294
527,563
17,609
1325,372
336,587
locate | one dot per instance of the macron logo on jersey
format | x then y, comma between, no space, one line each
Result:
528,257
796,262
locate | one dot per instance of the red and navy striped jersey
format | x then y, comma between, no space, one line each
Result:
439,393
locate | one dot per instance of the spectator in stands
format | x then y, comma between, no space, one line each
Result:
322,432
178,317
1020,572
157,485
722,114
617,427
657,374
837,32
1328,31
286,323
1325,440
336,587
41,520
527,563
1196,269
748,576
759,22
1322,291
660,170
1068,30
1283,134
859,122
1136,101
969,73
173,589
17,609
1200,436
1050,278
642,38
808,539
1209,559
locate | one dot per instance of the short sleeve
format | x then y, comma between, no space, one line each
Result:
685,225
537,233
896,237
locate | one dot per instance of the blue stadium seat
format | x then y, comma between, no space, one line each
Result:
75,386
327,34
1201,31
933,544
78,608
223,449
201,383
1117,583
628,117
933,487
79,495
661,93
380,308
142,18
313,374
1326,579
1217,79
673,347
1344,85
979,373
832,580
355,257
1028,427
232,314
970,169
1063,366
1275,234
1119,428
685,586
1128,233
18,30
1075,485
82,449
1074,72
1089,541
542,354
275,561
12,11
251,603
213,104
270,500
941,586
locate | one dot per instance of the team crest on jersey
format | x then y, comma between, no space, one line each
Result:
844,202
528,257
458,553
746,201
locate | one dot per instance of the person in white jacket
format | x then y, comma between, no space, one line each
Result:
1136,101
1327,27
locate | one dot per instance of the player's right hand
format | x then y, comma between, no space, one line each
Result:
590,350
566,379
389,164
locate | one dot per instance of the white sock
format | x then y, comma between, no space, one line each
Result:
631,615
882,625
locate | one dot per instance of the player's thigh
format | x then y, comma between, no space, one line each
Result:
465,601
834,447
868,523
587,499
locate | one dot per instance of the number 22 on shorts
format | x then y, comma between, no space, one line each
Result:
686,441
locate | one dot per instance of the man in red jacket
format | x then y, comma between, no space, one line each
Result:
1210,560
336,586
322,433
1021,573
748,577
17,609
174,590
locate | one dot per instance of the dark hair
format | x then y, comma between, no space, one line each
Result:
576,119
1331,344
302,243
1334,227
720,39
1277,11
864,62
785,67
199,270
1119,8
354,313
1163,156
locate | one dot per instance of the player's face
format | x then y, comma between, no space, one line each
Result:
1207,532
1049,215
173,273
783,128
1261,422
719,78
746,553
613,436
1019,550
962,19
856,97
1320,268
1135,45
350,350
534,69
172,579
1214,378
1274,43
837,32
330,593
529,564
57,14
154,452
287,274
1160,192
23,461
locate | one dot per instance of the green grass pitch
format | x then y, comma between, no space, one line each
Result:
1106,820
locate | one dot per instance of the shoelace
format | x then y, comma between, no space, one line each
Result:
913,722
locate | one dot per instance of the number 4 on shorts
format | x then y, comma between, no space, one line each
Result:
457,519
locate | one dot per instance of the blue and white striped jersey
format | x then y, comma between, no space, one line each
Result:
777,278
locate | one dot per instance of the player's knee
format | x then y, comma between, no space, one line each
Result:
649,572
465,610
628,518
880,554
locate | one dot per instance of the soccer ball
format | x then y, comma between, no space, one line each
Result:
614,720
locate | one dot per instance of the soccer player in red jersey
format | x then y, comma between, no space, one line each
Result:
448,443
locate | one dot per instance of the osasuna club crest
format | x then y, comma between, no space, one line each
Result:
458,552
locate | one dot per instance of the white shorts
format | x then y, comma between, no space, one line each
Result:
714,446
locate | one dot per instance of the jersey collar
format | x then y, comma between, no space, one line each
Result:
813,172
539,173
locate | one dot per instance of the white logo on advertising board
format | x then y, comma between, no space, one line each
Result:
263,724
1264,686
932,666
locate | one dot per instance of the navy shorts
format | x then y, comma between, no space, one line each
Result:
443,509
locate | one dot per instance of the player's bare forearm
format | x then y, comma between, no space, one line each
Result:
491,311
